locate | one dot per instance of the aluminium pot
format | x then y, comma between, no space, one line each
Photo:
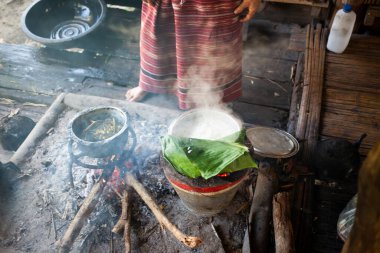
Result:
273,145
112,145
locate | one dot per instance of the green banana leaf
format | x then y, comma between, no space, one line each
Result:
206,158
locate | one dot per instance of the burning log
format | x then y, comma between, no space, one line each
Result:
189,241
257,235
283,230
86,209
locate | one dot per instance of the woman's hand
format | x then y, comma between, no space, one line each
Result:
247,8
149,2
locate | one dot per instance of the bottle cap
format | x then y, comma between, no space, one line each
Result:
347,7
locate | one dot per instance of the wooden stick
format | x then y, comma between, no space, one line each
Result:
39,130
283,230
189,241
119,226
365,234
86,209
127,232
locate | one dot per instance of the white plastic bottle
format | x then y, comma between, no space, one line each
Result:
341,29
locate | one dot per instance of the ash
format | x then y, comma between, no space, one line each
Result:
39,205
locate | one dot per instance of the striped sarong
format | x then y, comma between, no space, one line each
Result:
192,48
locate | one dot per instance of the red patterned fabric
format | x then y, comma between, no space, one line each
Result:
192,48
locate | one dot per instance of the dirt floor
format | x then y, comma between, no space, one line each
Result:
10,22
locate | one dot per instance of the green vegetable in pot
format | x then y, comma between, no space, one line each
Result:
206,158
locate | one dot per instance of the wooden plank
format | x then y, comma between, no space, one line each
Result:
271,45
353,86
56,69
286,13
297,41
371,123
351,113
263,67
352,98
261,115
101,88
316,83
265,92
39,83
121,71
24,96
358,60
302,2
359,75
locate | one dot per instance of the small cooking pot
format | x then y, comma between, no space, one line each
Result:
110,145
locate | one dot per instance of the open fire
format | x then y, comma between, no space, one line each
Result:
53,203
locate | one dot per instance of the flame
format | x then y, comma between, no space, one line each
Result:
223,175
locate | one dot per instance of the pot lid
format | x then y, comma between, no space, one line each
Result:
272,142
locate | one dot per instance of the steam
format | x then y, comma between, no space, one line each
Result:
215,69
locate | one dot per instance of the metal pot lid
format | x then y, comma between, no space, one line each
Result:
272,142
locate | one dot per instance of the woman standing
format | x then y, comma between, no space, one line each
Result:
192,48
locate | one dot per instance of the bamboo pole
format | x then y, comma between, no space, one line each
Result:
304,106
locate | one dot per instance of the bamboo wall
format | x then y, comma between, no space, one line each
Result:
351,92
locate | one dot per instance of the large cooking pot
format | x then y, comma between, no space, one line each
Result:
103,147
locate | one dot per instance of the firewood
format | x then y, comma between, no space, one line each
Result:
127,232
189,241
283,230
124,222
119,226
85,210
365,234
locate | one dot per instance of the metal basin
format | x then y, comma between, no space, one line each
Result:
62,23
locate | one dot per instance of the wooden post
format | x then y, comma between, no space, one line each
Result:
365,234
283,229
257,235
